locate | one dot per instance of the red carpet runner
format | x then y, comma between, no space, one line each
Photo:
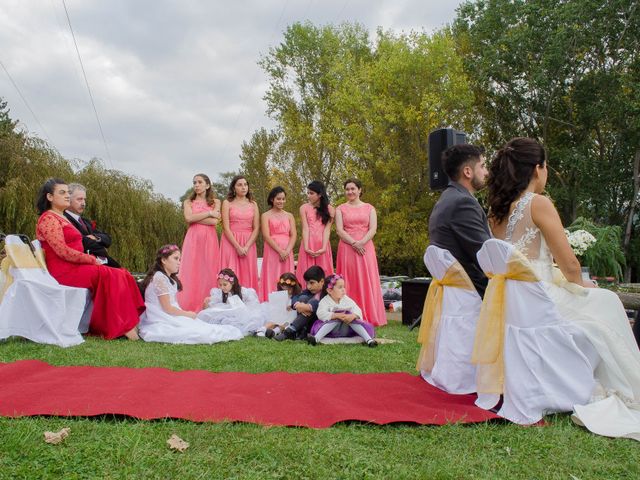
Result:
316,400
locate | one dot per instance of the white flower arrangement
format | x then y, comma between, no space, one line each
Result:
580,241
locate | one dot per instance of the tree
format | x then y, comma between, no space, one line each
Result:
347,106
123,205
567,73
256,157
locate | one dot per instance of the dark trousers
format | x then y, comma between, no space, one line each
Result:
302,325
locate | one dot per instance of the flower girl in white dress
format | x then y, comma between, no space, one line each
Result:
233,304
163,320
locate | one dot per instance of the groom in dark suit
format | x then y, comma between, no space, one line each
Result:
458,222
94,241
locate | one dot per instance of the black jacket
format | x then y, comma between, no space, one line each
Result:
459,224
97,248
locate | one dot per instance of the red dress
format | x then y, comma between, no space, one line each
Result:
117,302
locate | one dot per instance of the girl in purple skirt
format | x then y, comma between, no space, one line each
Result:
338,315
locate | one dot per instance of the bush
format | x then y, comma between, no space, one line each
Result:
605,258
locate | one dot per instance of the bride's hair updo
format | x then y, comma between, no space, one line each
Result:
510,173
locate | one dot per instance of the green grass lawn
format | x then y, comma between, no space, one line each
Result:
115,447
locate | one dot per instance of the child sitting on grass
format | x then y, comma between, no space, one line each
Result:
338,315
289,283
233,304
305,304
164,320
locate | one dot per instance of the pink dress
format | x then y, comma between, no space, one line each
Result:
360,272
241,225
199,265
316,232
272,267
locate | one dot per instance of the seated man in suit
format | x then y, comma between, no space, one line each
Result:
458,223
94,241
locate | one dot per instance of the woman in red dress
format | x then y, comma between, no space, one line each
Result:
117,303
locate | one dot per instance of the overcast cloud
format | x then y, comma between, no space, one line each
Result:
176,83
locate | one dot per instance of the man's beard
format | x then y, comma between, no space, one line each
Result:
477,184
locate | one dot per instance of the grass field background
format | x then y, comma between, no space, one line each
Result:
118,447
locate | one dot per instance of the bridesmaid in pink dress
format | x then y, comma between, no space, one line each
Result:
200,249
356,224
316,217
279,234
240,227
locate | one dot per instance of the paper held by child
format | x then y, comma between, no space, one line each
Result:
277,311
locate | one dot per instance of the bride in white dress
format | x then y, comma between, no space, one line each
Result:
164,320
521,216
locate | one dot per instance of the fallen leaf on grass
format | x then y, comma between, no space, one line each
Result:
176,443
508,450
56,437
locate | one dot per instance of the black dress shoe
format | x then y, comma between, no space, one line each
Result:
311,340
372,343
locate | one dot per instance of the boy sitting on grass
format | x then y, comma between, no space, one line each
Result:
306,304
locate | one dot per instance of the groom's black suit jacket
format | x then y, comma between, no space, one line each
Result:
97,248
458,224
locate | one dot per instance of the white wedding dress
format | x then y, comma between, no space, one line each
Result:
614,409
156,325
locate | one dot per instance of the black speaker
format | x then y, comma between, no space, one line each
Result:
439,141
414,292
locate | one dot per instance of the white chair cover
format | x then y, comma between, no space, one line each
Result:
548,363
35,306
88,309
452,370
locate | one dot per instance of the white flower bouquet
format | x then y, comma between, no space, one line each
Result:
580,241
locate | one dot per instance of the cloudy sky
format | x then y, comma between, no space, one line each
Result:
175,83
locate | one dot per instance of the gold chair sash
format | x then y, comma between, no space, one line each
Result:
39,254
488,348
8,279
455,277
19,256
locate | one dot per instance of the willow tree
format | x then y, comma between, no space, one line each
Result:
138,220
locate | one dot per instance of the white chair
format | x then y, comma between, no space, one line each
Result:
452,369
35,306
85,321
547,362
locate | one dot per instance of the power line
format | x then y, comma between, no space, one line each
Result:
87,84
15,85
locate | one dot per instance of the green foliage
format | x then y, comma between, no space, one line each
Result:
568,73
138,220
126,207
346,105
605,258
122,447
221,186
